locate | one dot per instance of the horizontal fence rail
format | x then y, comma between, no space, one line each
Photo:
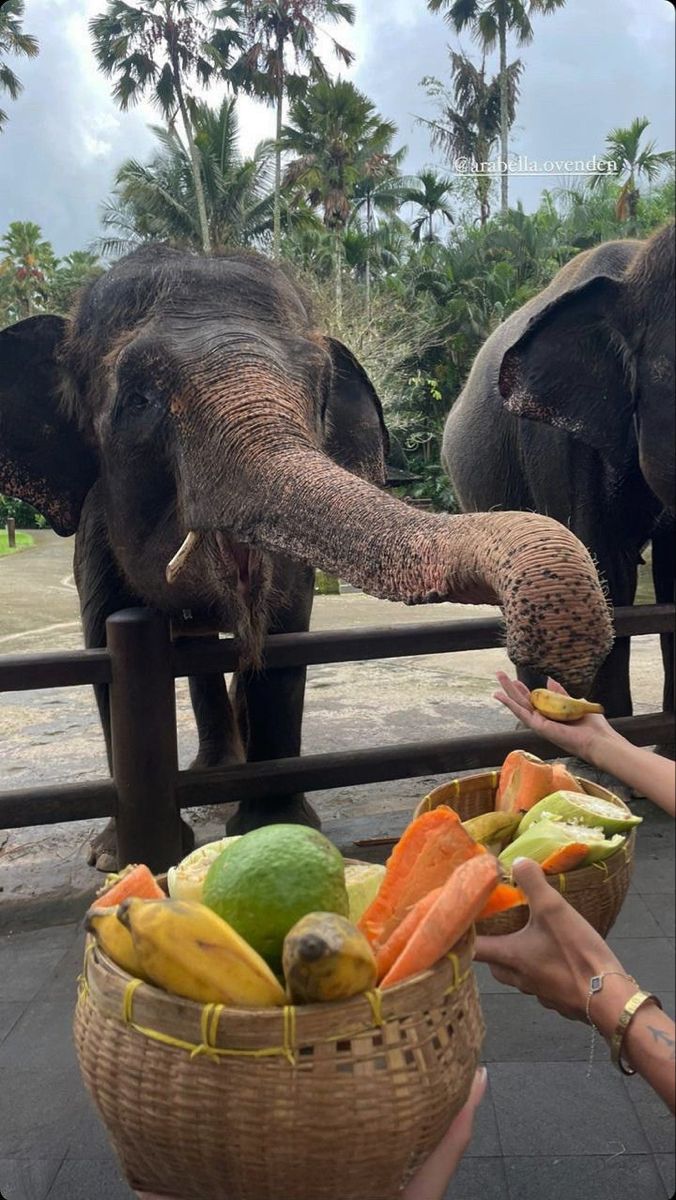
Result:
195,656
147,791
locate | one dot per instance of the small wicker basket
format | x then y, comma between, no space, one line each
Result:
320,1102
597,892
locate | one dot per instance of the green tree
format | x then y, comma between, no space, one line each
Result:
334,132
381,190
159,48
13,42
157,199
280,32
469,118
634,162
489,22
72,273
430,193
27,268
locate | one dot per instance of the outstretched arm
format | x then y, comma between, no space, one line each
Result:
555,957
595,740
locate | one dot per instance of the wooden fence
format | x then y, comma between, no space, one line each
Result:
147,790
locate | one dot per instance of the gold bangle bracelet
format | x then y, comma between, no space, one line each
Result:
626,1016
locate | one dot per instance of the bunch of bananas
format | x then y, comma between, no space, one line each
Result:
185,948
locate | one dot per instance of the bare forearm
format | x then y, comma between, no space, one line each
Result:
649,1042
648,773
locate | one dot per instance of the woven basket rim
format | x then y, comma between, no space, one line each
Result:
567,882
152,1010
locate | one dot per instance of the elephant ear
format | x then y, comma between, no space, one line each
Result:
356,436
569,368
43,458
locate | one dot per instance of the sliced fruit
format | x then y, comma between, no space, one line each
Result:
579,806
547,836
135,880
524,779
185,882
362,881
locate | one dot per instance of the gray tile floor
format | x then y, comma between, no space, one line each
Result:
544,1132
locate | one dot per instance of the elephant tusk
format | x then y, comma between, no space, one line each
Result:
177,563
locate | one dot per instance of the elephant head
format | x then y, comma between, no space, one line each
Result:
597,360
197,399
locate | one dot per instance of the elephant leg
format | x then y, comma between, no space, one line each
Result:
665,593
220,743
102,592
612,687
269,706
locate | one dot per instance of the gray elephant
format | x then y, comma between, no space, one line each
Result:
569,411
210,446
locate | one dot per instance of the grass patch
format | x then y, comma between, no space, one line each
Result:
23,541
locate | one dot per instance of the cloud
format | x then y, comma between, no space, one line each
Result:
593,65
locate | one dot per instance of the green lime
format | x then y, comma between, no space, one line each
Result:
272,878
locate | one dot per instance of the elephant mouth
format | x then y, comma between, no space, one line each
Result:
235,556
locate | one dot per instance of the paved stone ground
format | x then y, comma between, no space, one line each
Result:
545,1131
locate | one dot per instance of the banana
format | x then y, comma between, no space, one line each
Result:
114,939
187,949
325,957
492,828
561,708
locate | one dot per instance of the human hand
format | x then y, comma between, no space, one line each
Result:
555,955
581,737
431,1181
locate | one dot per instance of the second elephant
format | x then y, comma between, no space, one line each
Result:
569,411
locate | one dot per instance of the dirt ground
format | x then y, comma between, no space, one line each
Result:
53,736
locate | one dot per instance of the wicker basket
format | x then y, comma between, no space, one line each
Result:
320,1102
597,891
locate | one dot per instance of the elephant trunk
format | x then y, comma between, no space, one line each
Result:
280,492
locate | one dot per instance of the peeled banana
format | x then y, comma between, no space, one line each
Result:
114,939
185,948
326,957
557,707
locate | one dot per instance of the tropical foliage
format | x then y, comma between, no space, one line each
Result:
13,42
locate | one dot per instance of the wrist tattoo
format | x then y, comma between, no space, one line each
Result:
660,1036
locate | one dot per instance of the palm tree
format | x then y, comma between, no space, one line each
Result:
158,47
157,199
334,131
278,29
72,273
623,148
380,190
489,22
13,41
469,123
430,194
27,267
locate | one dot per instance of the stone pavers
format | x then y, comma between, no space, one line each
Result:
544,1132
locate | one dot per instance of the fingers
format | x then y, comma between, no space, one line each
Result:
497,951
530,877
432,1179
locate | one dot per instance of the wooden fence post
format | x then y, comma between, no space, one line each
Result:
144,738
11,532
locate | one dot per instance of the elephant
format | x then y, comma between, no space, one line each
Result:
568,411
209,446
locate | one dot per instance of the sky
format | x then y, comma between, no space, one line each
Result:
592,66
